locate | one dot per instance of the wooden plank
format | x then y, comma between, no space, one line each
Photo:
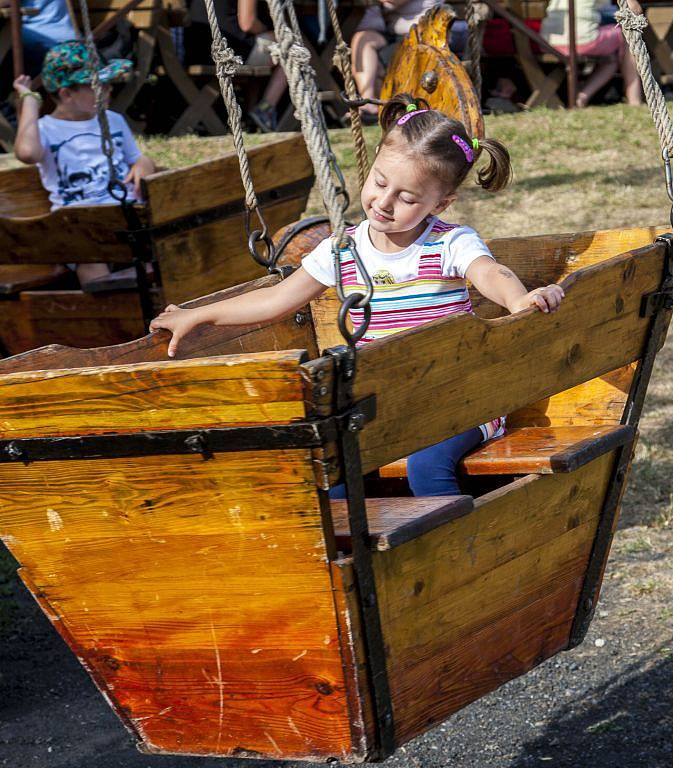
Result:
22,193
199,595
23,277
396,520
78,234
544,259
239,389
521,553
218,253
544,450
447,368
206,341
176,193
53,317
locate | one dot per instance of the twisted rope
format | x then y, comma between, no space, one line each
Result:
475,22
107,144
633,25
295,60
342,57
226,66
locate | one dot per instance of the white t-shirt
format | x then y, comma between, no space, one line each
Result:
459,246
74,169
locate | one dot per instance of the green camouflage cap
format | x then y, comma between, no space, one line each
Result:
69,64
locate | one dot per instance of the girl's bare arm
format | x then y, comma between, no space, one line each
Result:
261,306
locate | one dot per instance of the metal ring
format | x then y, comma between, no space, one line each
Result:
114,186
351,302
257,236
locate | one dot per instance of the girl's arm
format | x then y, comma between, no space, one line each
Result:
499,284
28,146
261,306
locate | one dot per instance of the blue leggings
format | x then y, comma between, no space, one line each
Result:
432,471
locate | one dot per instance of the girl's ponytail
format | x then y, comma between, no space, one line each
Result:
498,173
395,108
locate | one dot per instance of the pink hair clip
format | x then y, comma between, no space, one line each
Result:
409,115
467,149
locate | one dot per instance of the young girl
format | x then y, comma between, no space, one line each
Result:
418,263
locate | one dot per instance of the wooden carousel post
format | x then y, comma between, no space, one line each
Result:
572,55
17,43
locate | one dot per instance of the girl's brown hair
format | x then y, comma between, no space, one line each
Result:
430,138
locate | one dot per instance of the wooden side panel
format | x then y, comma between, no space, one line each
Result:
488,596
71,317
468,370
22,193
216,256
238,389
85,234
176,193
198,592
206,341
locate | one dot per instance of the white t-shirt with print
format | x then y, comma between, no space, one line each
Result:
460,246
74,169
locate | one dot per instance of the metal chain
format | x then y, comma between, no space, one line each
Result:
226,66
116,187
295,60
342,56
633,25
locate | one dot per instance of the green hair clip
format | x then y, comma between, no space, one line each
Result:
475,144
411,108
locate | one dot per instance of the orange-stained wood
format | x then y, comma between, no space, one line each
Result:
505,577
424,65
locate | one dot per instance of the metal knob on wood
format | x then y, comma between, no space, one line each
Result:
430,81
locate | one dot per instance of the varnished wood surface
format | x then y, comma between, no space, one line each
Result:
487,596
237,389
24,277
425,52
530,355
396,520
180,192
206,341
22,193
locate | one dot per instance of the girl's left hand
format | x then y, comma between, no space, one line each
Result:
546,299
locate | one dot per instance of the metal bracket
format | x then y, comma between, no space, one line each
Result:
348,442
655,302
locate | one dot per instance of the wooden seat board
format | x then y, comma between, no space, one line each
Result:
24,277
396,520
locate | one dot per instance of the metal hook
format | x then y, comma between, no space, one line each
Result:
667,171
257,236
354,300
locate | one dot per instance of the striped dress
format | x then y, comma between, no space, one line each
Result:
429,287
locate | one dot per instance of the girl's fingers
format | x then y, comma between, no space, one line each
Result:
540,302
173,344
171,308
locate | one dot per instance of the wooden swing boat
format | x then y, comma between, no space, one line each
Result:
189,236
172,520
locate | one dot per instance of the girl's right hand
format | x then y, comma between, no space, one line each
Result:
178,321
22,84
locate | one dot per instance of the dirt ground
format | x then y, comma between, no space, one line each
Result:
606,704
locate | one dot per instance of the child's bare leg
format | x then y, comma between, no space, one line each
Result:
88,272
602,74
632,87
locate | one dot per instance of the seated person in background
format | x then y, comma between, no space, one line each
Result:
604,42
376,38
66,145
256,21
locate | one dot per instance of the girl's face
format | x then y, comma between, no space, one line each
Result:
399,194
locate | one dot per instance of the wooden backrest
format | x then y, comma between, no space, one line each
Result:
206,341
196,258
445,377
22,193
196,590
141,17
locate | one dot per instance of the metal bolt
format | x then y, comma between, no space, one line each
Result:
355,422
588,604
14,451
370,600
322,391
300,318
320,375
429,81
387,719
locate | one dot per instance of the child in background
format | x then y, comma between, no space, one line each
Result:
419,264
66,145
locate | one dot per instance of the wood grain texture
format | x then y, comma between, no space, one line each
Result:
24,277
454,362
206,341
394,521
215,256
22,193
426,50
238,389
456,602
171,583
180,192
